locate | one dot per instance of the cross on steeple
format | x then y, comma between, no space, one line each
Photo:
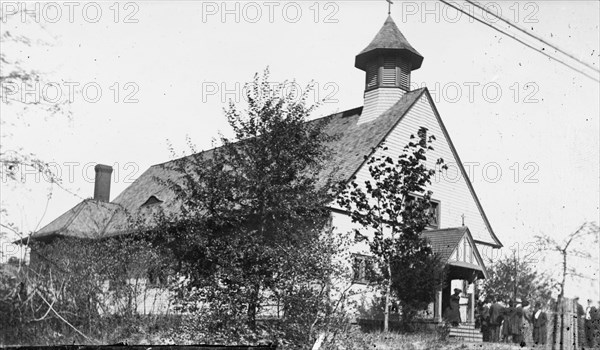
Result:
389,6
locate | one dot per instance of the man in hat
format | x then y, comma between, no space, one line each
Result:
484,319
496,311
453,310
517,322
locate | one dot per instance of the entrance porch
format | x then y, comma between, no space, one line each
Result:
464,266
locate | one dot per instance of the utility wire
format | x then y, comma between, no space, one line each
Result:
478,5
521,41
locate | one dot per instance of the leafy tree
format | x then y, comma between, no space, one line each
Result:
510,278
251,229
395,204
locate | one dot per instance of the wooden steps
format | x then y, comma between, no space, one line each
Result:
466,333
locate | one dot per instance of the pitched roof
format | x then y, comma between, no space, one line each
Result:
94,219
88,219
389,38
353,143
444,242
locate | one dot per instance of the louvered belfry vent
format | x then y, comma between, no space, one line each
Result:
388,75
404,74
388,71
372,76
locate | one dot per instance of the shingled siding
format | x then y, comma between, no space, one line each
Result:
378,101
449,188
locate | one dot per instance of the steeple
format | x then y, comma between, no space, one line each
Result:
387,61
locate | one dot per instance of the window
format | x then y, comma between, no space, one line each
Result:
363,269
434,215
157,277
433,212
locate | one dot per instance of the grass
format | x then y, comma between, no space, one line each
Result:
419,341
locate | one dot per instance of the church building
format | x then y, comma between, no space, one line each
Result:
390,114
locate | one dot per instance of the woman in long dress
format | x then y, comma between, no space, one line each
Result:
509,324
540,321
453,310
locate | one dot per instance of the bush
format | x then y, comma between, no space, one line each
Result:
77,291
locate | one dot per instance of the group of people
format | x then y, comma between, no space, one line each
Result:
515,322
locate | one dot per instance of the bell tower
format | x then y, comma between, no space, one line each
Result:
387,61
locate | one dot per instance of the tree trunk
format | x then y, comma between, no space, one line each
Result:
555,324
386,309
253,306
561,297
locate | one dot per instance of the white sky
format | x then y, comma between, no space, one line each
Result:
545,122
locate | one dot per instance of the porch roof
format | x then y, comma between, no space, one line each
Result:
444,242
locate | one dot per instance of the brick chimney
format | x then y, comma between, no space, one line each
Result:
102,182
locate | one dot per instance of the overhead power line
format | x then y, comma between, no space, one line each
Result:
476,4
522,42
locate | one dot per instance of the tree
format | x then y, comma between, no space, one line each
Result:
395,204
510,278
251,226
568,248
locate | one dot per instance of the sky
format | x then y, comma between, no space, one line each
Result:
146,75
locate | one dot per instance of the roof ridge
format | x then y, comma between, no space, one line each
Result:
75,215
449,228
108,222
215,148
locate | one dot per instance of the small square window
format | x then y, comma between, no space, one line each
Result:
433,212
157,277
364,269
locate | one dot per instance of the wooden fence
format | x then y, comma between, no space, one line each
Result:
564,327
